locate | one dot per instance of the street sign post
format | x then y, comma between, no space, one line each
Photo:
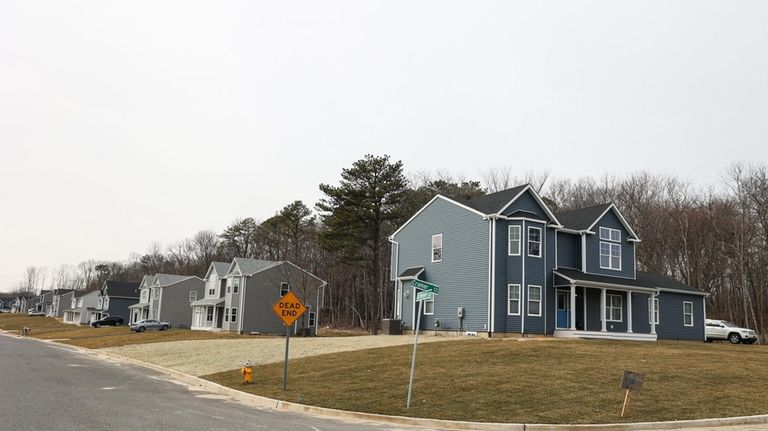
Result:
288,309
426,293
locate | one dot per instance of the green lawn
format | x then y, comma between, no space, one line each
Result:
94,338
548,381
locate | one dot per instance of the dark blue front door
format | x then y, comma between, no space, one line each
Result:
563,309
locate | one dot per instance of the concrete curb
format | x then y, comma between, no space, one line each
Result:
269,403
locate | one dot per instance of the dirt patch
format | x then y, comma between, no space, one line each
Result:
202,357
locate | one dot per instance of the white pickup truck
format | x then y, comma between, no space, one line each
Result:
725,330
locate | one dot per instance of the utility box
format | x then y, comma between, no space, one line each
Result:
391,327
460,312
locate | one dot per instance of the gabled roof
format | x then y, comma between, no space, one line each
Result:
582,218
168,279
148,280
221,269
251,266
494,202
122,289
411,273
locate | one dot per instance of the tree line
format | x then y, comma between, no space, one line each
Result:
715,239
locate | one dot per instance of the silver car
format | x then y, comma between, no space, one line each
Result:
143,325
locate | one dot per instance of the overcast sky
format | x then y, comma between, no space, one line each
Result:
124,123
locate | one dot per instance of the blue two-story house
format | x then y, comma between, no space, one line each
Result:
507,265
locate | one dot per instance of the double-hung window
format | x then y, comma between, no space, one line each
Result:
192,296
233,316
284,288
437,248
688,313
534,241
655,310
235,284
514,240
534,300
613,308
610,249
226,314
513,297
429,306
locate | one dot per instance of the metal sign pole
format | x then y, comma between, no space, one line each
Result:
285,367
413,360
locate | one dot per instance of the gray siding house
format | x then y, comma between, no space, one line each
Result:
114,299
507,265
253,286
208,312
62,298
82,309
167,297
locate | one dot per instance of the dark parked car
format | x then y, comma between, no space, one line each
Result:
108,321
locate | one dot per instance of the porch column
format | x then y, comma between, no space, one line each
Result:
584,302
653,314
629,312
572,308
602,310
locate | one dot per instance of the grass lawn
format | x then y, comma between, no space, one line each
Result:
95,338
549,381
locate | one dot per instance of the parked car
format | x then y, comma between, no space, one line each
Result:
108,321
36,314
725,330
143,325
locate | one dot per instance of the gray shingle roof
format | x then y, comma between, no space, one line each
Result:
252,266
148,280
123,289
412,272
582,218
664,282
221,268
643,279
493,202
166,279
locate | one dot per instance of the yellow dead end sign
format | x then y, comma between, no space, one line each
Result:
289,308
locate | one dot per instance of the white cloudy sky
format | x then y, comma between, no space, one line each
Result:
122,123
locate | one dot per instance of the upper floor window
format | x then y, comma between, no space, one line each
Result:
688,313
211,291
156,293
284,288
437,248
514,240
144,295
235,284
610,256
534,242
613,308
192,295
609,234
233,315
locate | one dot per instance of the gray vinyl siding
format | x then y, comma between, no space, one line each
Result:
174,302
463,272
568,250
610,220
263,290
535,275
232,300
671,325
526,202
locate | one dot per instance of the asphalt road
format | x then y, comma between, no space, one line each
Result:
49,387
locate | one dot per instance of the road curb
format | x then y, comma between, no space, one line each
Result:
269,403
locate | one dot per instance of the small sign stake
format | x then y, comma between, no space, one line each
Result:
630,381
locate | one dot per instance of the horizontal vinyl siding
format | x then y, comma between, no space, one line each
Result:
513,274
463,273
568,250
610,220
526,202
550,287
535,275
671,317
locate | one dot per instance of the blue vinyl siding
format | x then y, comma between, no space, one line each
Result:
610,220
526,202
463,273
568,250
513,274
535,275
641,322
549,252
671,317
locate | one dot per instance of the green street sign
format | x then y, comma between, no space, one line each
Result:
422,296
423,285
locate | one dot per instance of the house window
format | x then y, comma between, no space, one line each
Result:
209,314
233,317
534,242
156,293
437,248
106,303
610,256
211,291
609,234
513,298
144,295
311,319
284,288
688,313
534,300
192,296
613,308
235,285
514,240
226,314
429,306
655,319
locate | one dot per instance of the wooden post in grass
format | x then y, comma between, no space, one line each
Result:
630,381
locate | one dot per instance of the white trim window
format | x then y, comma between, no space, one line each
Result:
609,234
655,319
235,285
311,319
514,240
437,248
534,300
534,241
233,316
192,295
284,288
614,308
513,299
610,256
212,291
209,314
226,314
687,313
429,306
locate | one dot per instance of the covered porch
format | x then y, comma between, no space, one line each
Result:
138,312
208,314
592,306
